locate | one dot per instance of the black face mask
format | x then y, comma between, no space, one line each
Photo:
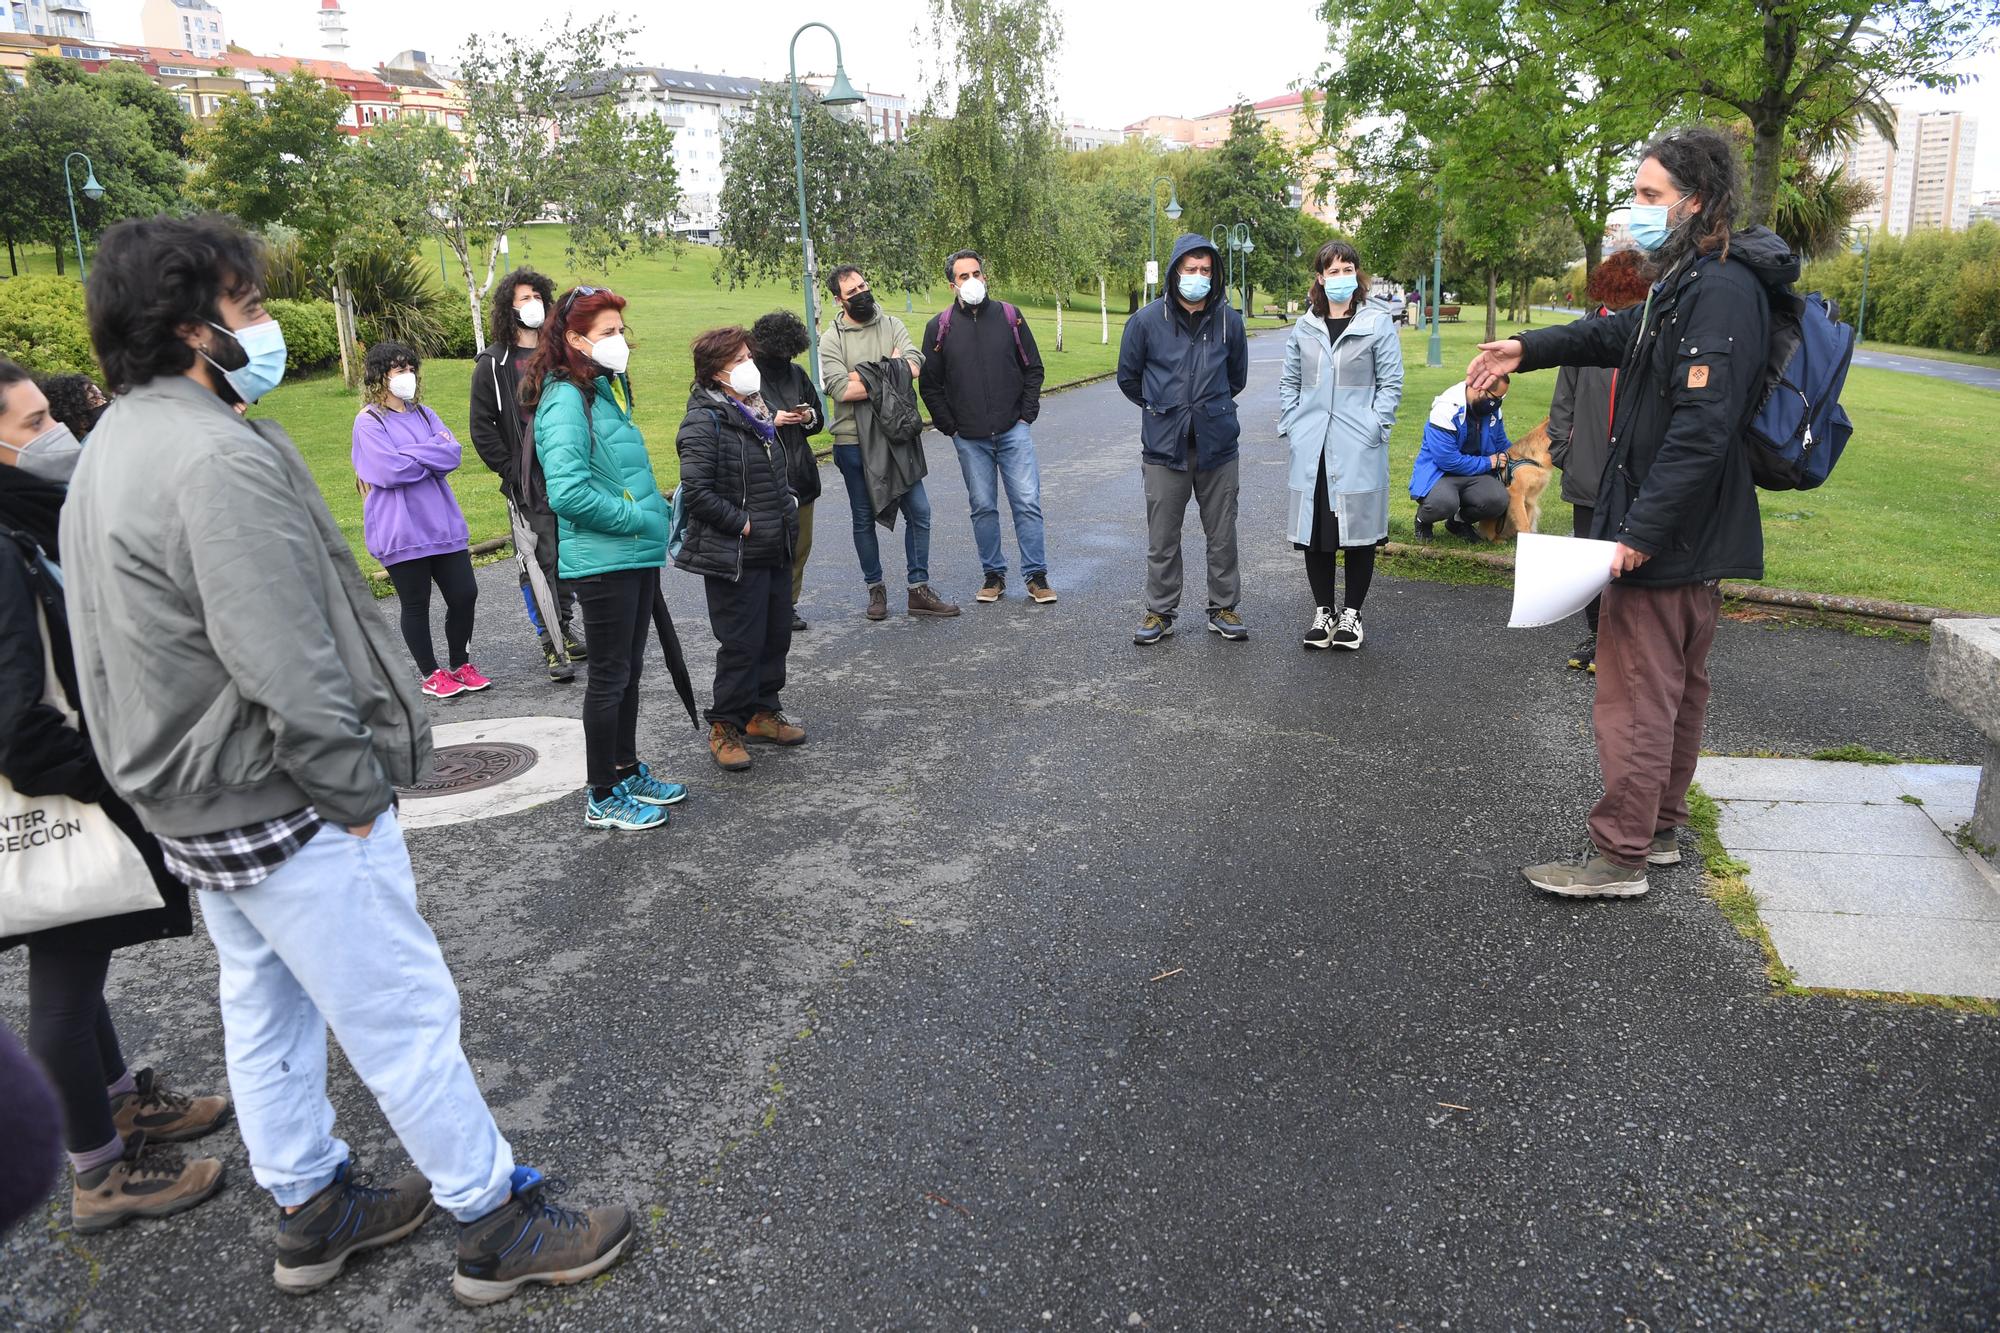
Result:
861,307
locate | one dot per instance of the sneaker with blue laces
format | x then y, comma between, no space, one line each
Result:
646,789
620,810
528,1239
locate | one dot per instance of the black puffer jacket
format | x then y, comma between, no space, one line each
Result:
1677,485
730,473
786,386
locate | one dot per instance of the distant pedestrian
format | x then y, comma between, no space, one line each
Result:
613,543
1580,420
520,305
741,530
404,455
1183,360
1677,494
864,341
777,340
1456,476
1337,397
77,401
267,759
982,381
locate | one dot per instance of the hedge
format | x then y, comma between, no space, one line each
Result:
42,326
1928,289
312,340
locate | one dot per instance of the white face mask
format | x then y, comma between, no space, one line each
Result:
972,291
611,353
745,378
530,313
404,385
52,455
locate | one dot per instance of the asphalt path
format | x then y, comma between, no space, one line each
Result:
1059,983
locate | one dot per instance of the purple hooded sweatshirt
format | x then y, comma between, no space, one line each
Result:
409,511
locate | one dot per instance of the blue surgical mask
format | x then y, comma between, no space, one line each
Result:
264,365
1194,286
1341,288
1648,225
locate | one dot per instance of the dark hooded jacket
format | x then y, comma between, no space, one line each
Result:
1184,371
1691,370
731,474
788,387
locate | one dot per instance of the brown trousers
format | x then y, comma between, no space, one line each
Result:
804,549
1652,696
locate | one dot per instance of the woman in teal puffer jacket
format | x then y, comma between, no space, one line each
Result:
612,539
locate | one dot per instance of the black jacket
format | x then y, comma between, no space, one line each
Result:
786,386
892,466
1691,366
499,433
729,474
975,381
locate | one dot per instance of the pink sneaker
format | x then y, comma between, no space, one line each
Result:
468,676
441,684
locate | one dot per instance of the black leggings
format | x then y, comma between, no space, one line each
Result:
1360,570
70,1032
1579,526
617,615
452,572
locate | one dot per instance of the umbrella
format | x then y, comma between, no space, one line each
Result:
525,545
670,646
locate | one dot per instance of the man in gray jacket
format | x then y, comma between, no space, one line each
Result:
246,698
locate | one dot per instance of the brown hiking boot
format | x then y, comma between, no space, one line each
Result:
342,1220
164,1115
528,1239
878,602
150,1180
725,742
775,728
924,602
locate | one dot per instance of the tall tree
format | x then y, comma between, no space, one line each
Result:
1124,177
1249,179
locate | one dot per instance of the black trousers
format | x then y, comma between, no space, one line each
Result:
1579,526
1469,498
452,572
70,1032
752,620
617,618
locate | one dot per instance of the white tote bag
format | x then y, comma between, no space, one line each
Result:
62,860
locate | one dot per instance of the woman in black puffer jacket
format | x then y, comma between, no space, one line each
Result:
742,532
778,339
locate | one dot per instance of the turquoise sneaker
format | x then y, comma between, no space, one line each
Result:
619,810
649,790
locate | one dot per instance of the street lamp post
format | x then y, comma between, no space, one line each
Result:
840,93
1863,246
92,191
1239,248
1434,356
1153,222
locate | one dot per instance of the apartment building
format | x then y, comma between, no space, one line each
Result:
45,18
1923,177
193,26
698,108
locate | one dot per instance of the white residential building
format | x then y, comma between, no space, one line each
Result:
46,18
1924,178
698,108
193,26
887,115
1986,209
1082,138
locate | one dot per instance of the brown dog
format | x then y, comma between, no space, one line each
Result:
1528,472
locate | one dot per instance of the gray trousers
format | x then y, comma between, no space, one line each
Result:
1469,498
1167,493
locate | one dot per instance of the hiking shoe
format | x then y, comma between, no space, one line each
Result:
798,621
620,810
1039,589
1321,633
878,602
646,789
1426,532
468,676
775,728
992,589
573,645
164,1115
725,742
1153,628
441,684
559,670
1229,625
150,1180
925,602
527,1239
1663,850
1347,633
1598,877
1583,657
344,1219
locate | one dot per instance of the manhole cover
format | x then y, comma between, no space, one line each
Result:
470,767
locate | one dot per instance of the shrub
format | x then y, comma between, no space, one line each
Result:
1928,289
43,328
311,339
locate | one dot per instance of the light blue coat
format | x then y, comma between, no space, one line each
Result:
1337,401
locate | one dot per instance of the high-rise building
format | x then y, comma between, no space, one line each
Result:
193,26
46,18
1924,178
332,30
699,108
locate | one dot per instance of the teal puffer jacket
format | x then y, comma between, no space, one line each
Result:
610,514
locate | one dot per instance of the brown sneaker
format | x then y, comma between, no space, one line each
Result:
924,602
164,1115
150,1180
878,602
528,1239
725,742
992,590
775,728
1039,589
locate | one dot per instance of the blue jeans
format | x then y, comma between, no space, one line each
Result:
1008,458
333,937
916,511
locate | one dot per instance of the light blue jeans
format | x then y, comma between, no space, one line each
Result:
1008,458
333,937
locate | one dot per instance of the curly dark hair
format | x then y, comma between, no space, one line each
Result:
74,400
1701,161
715,350
154,276
778,337
1326,254
1620,280
500,325
380,362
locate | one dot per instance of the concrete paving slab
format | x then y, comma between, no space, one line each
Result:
1734,779
1880,830
1912,886
1915,954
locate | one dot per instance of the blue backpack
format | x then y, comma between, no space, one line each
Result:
1799,429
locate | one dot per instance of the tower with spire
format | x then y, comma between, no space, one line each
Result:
332,30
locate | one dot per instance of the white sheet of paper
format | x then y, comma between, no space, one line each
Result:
1555,577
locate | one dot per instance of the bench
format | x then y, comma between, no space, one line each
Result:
1447,314
1963,669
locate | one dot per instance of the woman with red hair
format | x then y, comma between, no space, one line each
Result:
1580,417
611,539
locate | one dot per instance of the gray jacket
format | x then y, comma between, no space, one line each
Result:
1337,402
1580,428
231,659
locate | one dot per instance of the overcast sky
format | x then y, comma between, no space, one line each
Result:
1113,72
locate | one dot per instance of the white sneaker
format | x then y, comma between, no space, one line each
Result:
1347,634
1321,633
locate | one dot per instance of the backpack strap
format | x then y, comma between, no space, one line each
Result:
1007,312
